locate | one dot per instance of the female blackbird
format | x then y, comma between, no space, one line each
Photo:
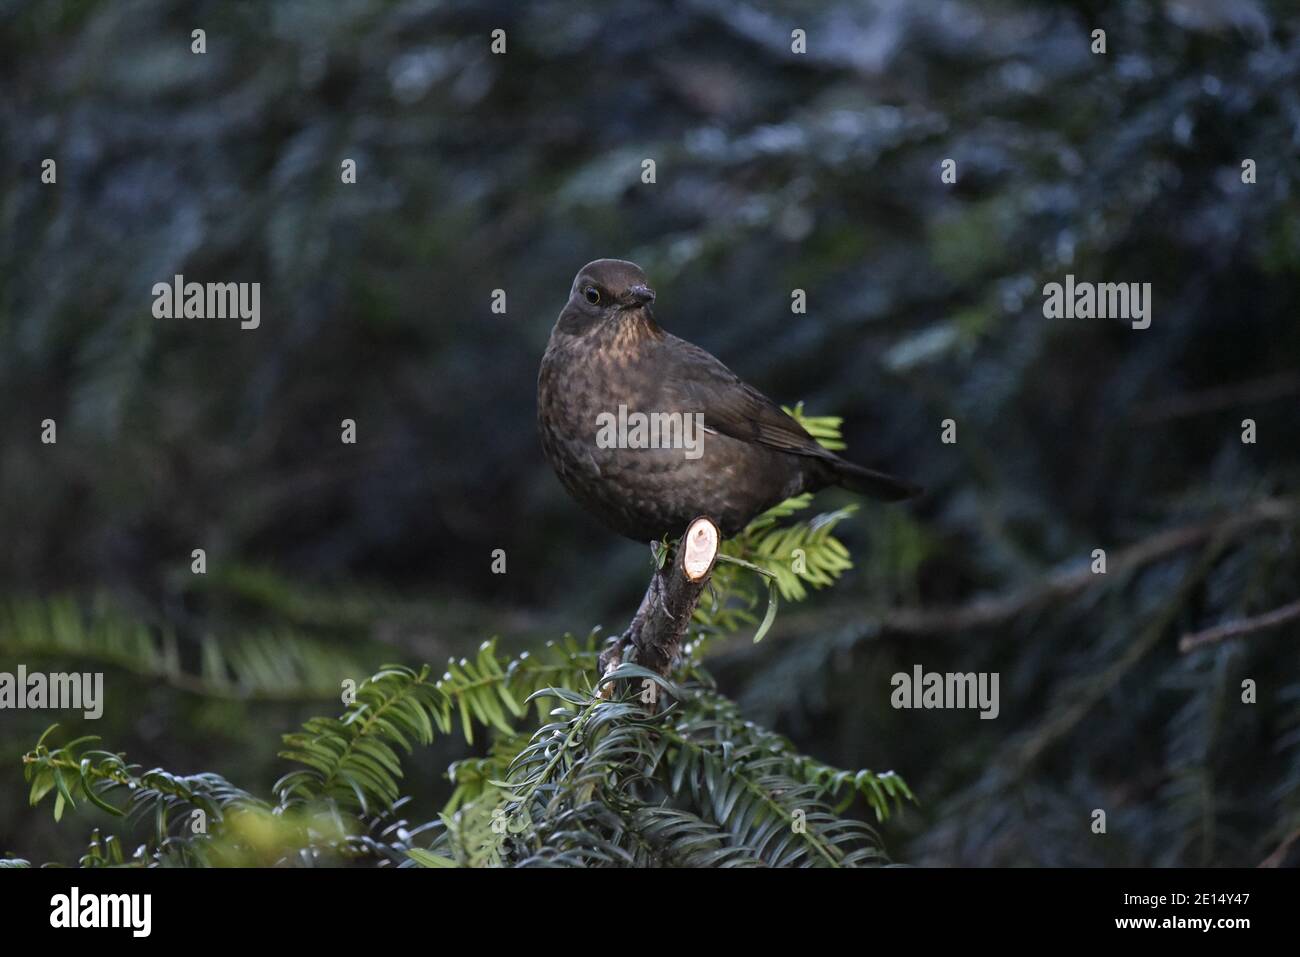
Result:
620,405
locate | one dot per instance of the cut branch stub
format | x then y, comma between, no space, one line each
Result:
699,549
654,637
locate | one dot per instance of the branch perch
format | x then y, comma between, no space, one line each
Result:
654,637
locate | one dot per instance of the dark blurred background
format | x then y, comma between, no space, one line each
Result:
775,171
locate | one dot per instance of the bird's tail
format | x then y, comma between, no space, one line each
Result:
869,482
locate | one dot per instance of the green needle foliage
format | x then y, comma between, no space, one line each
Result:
790,556
279,665
569,777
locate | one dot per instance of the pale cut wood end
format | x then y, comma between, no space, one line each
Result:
701,548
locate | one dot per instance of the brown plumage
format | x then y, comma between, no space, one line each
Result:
606,351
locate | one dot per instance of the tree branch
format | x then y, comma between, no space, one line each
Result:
1240,627
1216,400
655,635
1280,854
1068,581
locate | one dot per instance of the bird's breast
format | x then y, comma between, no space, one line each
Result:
613,430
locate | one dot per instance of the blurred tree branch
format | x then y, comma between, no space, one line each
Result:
1189,404
1072,579
1240,627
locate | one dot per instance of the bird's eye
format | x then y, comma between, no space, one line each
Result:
592,294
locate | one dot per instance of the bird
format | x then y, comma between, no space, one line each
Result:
609,368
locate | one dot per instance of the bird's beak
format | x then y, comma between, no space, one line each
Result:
640,295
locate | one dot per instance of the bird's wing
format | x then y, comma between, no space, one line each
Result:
700,383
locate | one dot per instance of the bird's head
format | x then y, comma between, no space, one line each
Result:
607,291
